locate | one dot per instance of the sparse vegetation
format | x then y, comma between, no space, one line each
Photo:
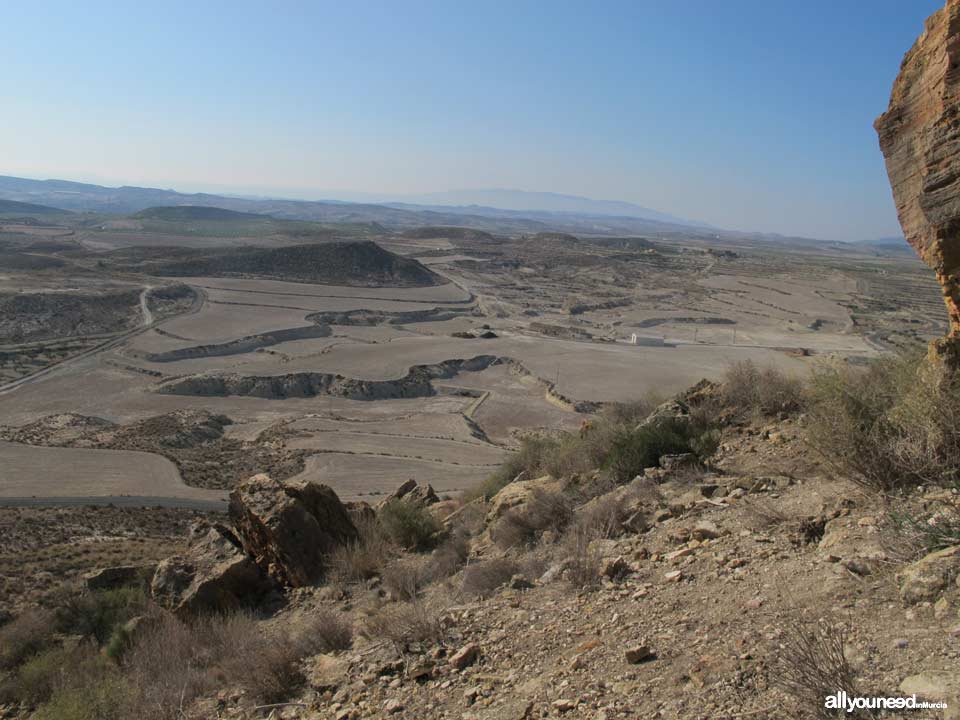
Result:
407,622
891,425
409,526
365,558
481,579
632,450
750,391
545,511
811,664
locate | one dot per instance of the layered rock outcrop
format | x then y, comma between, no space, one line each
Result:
289,529
920,139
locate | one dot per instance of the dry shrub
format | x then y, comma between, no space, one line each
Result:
891,425
752,392
907,536
404,578
546,510
447,559
25,636
172,662
604,515
763,514
811,664
404,624
364,558
582,560
272,671
485,577
631,412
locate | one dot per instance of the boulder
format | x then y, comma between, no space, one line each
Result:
413,493
213,575
465,656
927,578
920,139
111,578
289,528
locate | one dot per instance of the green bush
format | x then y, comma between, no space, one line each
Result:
409,526
93,689
69,682
632,450
529,462
890,425
97,614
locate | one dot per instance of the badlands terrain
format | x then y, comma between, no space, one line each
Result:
404,453
165,355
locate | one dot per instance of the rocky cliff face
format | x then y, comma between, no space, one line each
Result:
920,139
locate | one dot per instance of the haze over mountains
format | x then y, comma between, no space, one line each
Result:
494,210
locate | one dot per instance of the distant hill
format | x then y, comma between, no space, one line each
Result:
525,200
453,233
8,207
896,245
195,212
126,200
364,264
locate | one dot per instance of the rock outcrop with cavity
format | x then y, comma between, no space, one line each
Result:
289,528
920,139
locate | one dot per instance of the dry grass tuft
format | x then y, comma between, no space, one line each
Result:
811,664
483,578
408,623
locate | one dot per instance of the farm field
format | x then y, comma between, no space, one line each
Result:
364,387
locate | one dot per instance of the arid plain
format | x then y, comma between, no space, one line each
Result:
365,384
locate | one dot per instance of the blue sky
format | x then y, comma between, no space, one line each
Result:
747,114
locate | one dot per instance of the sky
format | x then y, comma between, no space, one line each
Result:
746,114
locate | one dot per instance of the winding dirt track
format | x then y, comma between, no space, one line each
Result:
199,300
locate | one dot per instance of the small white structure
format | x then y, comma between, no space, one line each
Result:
647,340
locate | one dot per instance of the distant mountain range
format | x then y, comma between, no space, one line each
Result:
522,201
567,213
508,212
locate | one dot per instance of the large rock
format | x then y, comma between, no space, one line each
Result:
110,578
920,139
213,575
926,579
413,493
290,528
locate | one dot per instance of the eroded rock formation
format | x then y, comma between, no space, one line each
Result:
289,529
920,139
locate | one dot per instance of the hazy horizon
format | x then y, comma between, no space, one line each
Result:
746,116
